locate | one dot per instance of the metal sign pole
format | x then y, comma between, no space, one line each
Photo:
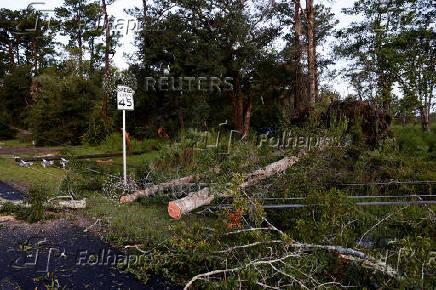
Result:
124,148
125,102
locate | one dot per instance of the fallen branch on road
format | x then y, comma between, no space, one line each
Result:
70,204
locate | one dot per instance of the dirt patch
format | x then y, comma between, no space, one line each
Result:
7,218
12,151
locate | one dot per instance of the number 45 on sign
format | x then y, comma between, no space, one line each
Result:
125,98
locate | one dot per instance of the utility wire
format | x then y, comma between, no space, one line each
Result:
356,197
389,183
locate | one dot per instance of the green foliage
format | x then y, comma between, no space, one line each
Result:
9,208
96,132
113,143
80,180
413,141
15,94
326,219
38,196
6,132
61,112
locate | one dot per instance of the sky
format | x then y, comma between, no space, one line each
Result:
121,58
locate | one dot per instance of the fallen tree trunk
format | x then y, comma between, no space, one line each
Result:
159,187
187,204
163,186
204,197
70,204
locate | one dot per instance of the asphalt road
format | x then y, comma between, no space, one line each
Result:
7,192
59,253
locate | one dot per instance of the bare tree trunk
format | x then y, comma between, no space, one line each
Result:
35,55
425,118
298,55
182,123
180,113
91,52
79,42
106,63
17,49
238,104
11,52
316,74
248,113
311,53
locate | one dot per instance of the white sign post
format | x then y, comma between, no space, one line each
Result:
125,103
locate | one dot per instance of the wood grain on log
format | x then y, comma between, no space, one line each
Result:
187,204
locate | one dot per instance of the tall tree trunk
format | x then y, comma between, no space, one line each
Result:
238,104
35,55
384,85
79,41
316,74
298,55
106,64
180,114
17,49
11,53
248,113
92,57
311,52
425,118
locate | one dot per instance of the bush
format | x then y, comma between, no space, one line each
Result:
61,111
6,132
413,141
38,196
113,143
96,132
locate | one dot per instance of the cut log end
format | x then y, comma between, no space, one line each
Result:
123,198
174,211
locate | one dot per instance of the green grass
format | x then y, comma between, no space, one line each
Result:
14,143
137,223
10,171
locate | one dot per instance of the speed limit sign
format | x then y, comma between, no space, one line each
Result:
125,103
125,98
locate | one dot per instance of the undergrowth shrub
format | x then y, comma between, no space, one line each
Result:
96,133
6,132
413,141
38,196
83,178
